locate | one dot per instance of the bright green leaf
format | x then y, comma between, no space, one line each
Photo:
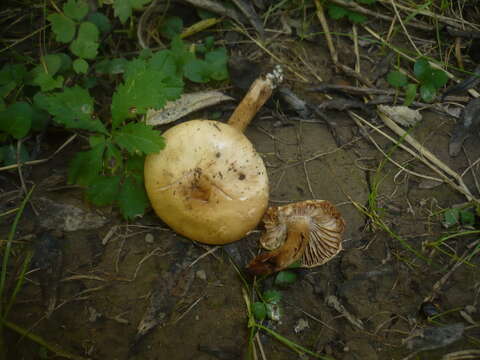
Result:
63,27
76,9
134,167
259,311
16,120
285,278
123,8
467,217
171,26
164,62
96,140
80,66
397,79
197,70
439,78
72,108
86,44
132,199
272,296
180,52
410,93
422,69
144,88
86,166
139,138
428,92
451,217
336,12
47,82
356,18
217,61
101,21
104,190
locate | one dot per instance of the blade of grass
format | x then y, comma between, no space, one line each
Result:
8,246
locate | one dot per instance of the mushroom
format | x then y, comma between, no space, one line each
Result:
209,184
308,231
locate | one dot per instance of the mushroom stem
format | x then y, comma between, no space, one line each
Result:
286,255
259,92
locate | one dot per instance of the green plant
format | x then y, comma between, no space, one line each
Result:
337,12
430,81
63,92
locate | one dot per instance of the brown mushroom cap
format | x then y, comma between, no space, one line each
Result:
208,184
308,231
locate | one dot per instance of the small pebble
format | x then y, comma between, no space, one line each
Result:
149,238
201,274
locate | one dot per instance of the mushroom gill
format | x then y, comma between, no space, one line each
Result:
308,232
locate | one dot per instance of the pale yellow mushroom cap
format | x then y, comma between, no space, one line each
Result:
208,184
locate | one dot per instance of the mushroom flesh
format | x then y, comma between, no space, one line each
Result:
308,232
209,184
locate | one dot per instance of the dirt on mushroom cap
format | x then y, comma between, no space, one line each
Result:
208,184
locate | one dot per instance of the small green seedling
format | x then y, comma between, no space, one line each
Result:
459,217
337,12
430,81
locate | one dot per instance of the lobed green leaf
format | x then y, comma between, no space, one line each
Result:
86,44
76,9
80,66
123,8
104,190
72,108
101,22
63,27
132,198
171,27
259,310
139,138
144,88
86,165
397,79
16,119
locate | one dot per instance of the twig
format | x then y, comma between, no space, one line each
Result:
427,154
397,14
40,161
323,21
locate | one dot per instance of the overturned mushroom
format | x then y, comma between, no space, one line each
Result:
308,231
209,184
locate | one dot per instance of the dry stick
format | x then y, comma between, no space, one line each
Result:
472,92
323,21
397,14
357,8
426,153
40,161
445,178
331,48
360,121
445,19
272,55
